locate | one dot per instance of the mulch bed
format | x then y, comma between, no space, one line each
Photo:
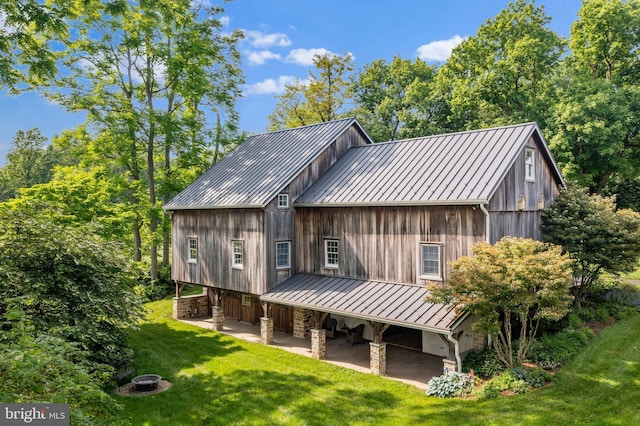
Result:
130,389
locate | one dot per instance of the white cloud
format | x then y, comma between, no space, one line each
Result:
259,39
259,58
225,20
439,50
271,86
305,56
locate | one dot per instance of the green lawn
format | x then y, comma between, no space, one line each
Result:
635,275
222,380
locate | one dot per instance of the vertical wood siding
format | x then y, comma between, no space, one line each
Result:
382,243
215,229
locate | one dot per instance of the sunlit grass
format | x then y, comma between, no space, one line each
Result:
218,379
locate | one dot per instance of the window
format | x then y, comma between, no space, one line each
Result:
331,253
430,261
238,254
192,255
283,201
529,169
283,255
246,300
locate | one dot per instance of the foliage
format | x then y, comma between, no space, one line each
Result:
515,279
154,289
484,363
69,282
596,236
449,386
41,367
322,97
502,75
507,381
392,99
553,351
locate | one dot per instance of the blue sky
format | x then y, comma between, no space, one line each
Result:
283,35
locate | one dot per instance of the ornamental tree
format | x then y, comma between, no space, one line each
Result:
514,281
597,237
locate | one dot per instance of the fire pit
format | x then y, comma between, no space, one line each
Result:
146,382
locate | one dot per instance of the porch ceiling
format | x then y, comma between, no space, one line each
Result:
378,301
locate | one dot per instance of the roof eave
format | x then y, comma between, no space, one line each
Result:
213,207
394,203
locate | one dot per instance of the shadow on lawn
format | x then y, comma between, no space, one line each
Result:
167,350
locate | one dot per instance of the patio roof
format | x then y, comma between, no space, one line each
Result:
378,301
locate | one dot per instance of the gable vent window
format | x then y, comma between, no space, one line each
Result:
283,201
529,165
192,254
331,254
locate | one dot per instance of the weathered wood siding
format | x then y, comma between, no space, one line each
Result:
215,230
505,217
382,243
279,222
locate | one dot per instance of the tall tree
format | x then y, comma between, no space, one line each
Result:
596,124
502,75
323,97
392,99
147,73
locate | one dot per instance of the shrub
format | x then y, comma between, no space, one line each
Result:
507,381
457,384
484,363
538,377
552,351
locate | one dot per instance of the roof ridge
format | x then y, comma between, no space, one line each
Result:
322,123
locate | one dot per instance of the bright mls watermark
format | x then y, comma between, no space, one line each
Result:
34,414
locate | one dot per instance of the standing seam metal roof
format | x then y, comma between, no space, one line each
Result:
456,168
259,168
379,301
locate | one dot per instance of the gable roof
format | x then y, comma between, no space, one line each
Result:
379,301
456,168
260,167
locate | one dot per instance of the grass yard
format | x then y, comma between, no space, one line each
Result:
220,380
635,275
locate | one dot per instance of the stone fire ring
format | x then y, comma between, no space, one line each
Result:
130,389
146,382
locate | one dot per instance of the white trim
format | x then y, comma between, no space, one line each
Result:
421,273
234,264
288,266
285,199
529,177
192,252
327,264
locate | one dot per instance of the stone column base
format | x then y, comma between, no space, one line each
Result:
449,366
378,358
217,314
318,343
266,330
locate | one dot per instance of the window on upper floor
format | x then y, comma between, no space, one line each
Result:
283,201
283,254
192,250
331,253
529,165
430,261
237,258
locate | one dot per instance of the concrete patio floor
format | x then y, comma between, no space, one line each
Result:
406,365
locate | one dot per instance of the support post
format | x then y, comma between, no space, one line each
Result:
318,343
266,330
378,358
217,315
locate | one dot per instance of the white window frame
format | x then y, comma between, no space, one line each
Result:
283,201
192,250
288,245
430,275
331,253
529,165
237,258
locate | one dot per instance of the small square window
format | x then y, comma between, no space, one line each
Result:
246,300
430,265
283,201
283,255
331,253
192,254
529,165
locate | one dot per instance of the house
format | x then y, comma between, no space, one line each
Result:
302,224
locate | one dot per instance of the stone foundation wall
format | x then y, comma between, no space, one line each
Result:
479,340
449,366
191,306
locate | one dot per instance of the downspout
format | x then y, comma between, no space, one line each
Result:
487,238
456,349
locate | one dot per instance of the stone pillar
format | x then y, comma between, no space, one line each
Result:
217,315
301,318
378,358
266,330
318,343
449,366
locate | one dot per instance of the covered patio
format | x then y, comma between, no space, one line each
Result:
406,365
